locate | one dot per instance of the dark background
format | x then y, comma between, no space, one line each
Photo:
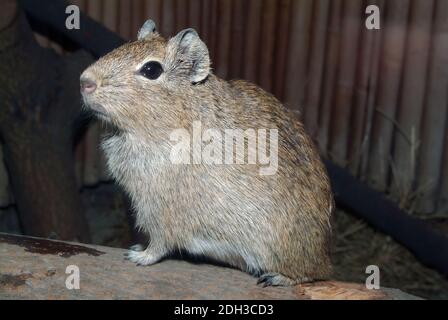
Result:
374,101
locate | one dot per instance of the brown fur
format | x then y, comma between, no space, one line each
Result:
276,226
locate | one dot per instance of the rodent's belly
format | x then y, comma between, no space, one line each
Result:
192,204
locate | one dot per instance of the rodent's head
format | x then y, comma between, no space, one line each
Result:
142,79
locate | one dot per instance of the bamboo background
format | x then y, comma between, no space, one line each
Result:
375,101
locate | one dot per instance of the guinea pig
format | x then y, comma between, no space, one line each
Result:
215,168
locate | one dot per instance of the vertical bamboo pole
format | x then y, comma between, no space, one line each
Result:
251,49
125,19
389,85
224,36
343,95
412,98
182,14
371,95
281,46
80,3
194,15
356,146
435,113
296,72
168,27
331,61
153,11
137,17
213,42
236,55
316,65
267,41
110,14
94,10
205,20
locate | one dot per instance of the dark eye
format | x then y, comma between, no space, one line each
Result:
151,70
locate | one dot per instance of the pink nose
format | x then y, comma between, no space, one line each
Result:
87,85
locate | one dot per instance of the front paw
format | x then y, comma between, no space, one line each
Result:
141,258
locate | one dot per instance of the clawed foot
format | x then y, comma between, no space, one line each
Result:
276,279
142,257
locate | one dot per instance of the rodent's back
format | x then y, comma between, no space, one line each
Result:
304,177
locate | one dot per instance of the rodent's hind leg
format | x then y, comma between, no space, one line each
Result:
277,279
151,255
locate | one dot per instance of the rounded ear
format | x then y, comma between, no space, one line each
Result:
148,28
188,50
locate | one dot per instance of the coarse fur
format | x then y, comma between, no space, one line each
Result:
273,226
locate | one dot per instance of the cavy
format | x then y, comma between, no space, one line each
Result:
271,219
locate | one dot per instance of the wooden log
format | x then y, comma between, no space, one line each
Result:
395,27
344,86
412,96
37,167
435,114
316,66
33,268
296,72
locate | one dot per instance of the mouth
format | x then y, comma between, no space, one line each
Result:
97,113
96,109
